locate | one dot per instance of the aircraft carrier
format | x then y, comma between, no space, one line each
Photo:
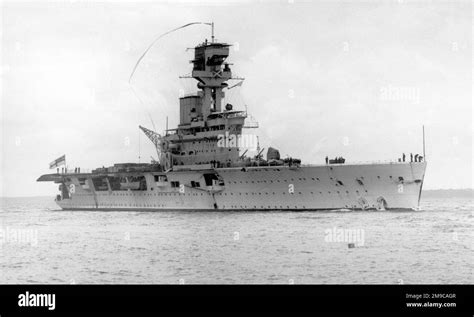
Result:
200,167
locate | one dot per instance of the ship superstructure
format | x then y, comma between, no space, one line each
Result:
197,169
203,117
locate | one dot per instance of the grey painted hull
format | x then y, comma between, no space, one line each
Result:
318,187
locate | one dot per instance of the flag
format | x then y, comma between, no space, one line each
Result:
58,162
236,85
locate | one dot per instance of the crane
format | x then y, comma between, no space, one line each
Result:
159,142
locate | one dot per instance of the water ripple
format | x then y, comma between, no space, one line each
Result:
433,245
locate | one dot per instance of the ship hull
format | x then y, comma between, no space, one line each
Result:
395,186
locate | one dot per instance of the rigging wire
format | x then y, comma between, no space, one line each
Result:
143,55
143,104
156,40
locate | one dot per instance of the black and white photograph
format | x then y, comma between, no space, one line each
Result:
222,143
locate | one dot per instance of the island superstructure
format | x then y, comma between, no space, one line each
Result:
200,168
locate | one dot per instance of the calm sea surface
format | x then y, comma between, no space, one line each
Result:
41,244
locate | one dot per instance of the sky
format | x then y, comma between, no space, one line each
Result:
353,79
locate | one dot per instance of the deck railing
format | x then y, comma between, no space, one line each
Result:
88,170
360,163
74,171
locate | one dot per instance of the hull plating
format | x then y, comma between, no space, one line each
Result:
324,187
